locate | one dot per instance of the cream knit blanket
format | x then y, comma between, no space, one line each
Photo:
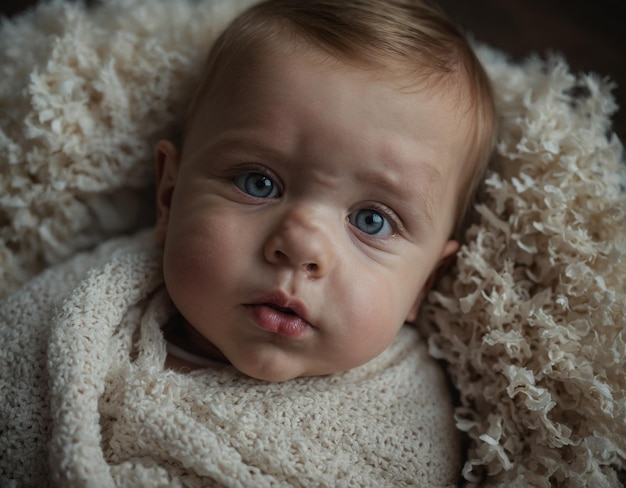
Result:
87,401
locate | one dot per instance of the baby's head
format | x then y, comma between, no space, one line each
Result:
326,164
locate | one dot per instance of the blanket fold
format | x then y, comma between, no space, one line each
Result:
114,416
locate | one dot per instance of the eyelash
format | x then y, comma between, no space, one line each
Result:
246,168
389,214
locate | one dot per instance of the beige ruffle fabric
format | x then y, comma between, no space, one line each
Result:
532,320
85,94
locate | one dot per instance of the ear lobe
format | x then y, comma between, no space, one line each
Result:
448,255
167,160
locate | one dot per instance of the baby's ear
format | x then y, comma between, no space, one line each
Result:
446,260
167,160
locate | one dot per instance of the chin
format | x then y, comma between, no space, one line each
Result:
272,370
269,375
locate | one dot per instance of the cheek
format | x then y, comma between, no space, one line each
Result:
185,271
374,312
201,260
388,296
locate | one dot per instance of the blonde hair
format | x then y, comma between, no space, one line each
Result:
412,34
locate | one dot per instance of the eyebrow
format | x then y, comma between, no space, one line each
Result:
424,193
240,144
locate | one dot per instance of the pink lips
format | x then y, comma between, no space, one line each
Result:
276,313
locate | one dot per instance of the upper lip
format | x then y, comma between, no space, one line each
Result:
281,300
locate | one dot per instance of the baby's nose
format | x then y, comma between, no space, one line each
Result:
303,242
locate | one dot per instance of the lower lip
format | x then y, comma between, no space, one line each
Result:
272,320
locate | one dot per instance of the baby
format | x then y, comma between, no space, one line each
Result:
316,193
328,158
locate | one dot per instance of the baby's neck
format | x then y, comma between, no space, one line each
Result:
187,349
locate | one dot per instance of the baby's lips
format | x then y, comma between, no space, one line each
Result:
272,319
284,303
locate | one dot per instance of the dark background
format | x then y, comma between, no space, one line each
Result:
591,34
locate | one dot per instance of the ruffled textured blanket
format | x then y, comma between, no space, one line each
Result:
532,320
84,388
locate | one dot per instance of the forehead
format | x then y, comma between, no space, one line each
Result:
281,67
244,57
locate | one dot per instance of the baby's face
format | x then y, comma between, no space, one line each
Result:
308,213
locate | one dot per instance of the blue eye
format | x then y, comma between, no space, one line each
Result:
371,222
257,185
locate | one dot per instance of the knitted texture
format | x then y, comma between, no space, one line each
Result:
89,402
530,321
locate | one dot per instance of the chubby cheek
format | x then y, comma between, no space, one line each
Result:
197,266
373,313
185,274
